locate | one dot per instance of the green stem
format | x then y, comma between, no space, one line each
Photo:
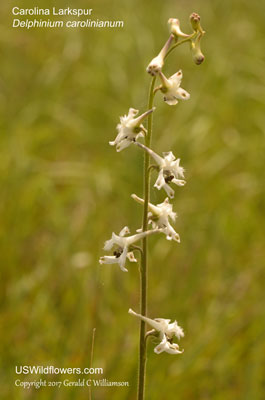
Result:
143,272
179,43
91,360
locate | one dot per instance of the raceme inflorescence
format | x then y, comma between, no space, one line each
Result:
161,216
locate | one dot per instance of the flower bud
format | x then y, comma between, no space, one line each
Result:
195,22
156,65
196,52
175,28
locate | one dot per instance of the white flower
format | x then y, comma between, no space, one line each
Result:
155,66
175,28
166,331
129,129
171,88
123,244
169,170
159,217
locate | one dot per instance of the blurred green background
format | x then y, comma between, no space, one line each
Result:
64,190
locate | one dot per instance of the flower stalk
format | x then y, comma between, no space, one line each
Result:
143,270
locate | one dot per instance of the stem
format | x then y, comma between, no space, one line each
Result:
143,272
137,248
153,166
179,43
91,360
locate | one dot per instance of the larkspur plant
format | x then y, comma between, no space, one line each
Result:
160,216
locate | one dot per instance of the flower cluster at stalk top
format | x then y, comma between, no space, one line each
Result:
166,331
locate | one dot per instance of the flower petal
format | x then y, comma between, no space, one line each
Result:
172,348
182,94
169,156
172,235
109,243
177,169
165,345
170,192
132,112
176,330
160,182
176,78
122,259
108,260
178,182
124,231
131,256
123,144
170,100
162,345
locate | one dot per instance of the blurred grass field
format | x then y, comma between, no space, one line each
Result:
64,190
